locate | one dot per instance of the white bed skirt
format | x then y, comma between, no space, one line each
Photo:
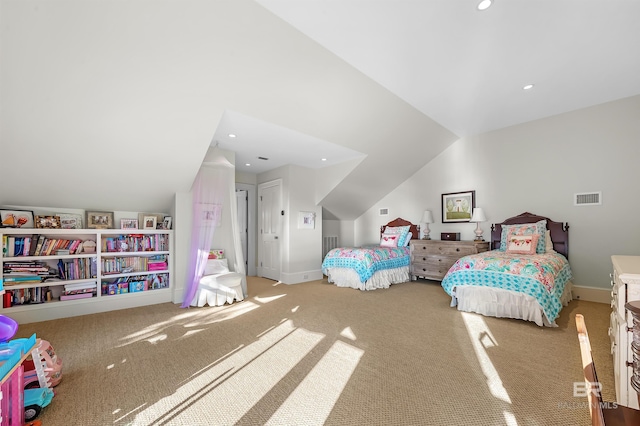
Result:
344,277
501,303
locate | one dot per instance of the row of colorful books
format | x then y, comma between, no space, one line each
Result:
135,242
121,265
78,268
38,245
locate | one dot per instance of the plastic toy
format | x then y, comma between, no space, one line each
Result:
34,401
8,328
52,368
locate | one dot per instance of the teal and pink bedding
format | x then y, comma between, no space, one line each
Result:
541,276
366,261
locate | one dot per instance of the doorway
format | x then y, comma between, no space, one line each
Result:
270,225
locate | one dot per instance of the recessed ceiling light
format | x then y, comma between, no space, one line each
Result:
247,164
528,87
232,135
484,4
324,159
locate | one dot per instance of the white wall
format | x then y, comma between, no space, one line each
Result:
538,167
301,249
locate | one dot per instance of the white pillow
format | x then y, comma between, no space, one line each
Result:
216,266
549,243
409,236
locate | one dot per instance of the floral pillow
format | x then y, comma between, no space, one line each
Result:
539,228
401,231
522,244
389,240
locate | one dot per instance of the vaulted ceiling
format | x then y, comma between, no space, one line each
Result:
112,105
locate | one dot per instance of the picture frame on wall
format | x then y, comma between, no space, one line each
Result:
10,218
99,220
458,206
48,222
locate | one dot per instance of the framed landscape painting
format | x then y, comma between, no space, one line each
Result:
458,206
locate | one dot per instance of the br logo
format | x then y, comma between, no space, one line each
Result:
583,389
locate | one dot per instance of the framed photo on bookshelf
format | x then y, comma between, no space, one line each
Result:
166,223
141,219
70,221
16,218
128,223
48,222
99,220
149,222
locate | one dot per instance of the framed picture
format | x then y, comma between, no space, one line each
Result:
70,221
99,220
166,223
16,218
210,213
141,216
149,222
306,220
50,222
458,206
128,223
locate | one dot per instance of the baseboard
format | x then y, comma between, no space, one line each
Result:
591,294
300,277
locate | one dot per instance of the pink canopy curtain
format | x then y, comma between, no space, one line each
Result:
208,191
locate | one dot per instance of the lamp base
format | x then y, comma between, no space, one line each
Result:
478,232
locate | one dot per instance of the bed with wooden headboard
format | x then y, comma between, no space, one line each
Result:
526,275
375,266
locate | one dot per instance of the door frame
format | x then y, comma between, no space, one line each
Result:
252,226
279,183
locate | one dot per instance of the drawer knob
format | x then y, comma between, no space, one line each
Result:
424,259
439,260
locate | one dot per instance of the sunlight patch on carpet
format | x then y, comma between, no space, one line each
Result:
481,338
312,401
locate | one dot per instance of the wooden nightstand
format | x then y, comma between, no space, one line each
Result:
431,259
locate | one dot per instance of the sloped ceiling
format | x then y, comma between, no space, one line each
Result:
112,105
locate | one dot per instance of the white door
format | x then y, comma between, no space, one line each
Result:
242,199
270,216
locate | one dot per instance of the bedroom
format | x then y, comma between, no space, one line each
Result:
120,99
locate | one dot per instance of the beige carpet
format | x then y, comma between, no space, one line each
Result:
316,354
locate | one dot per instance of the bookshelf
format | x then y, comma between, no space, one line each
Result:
126,268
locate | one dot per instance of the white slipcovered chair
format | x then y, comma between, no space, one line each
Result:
218,285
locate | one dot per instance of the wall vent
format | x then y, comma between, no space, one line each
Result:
587,199
384,212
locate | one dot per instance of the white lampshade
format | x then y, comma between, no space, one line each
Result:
478,215
427,217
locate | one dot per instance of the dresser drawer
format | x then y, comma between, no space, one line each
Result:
447,249
429,272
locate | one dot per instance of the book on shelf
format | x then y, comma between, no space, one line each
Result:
41,239
76,296
33,244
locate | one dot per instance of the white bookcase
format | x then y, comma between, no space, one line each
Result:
110,264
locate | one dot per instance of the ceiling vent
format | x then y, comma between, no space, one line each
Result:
384,212
587,199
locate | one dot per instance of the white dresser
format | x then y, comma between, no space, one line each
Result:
625,282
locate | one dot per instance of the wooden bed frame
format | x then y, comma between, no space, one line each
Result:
559,231
415,229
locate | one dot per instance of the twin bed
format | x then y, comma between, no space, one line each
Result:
376,266
526,276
